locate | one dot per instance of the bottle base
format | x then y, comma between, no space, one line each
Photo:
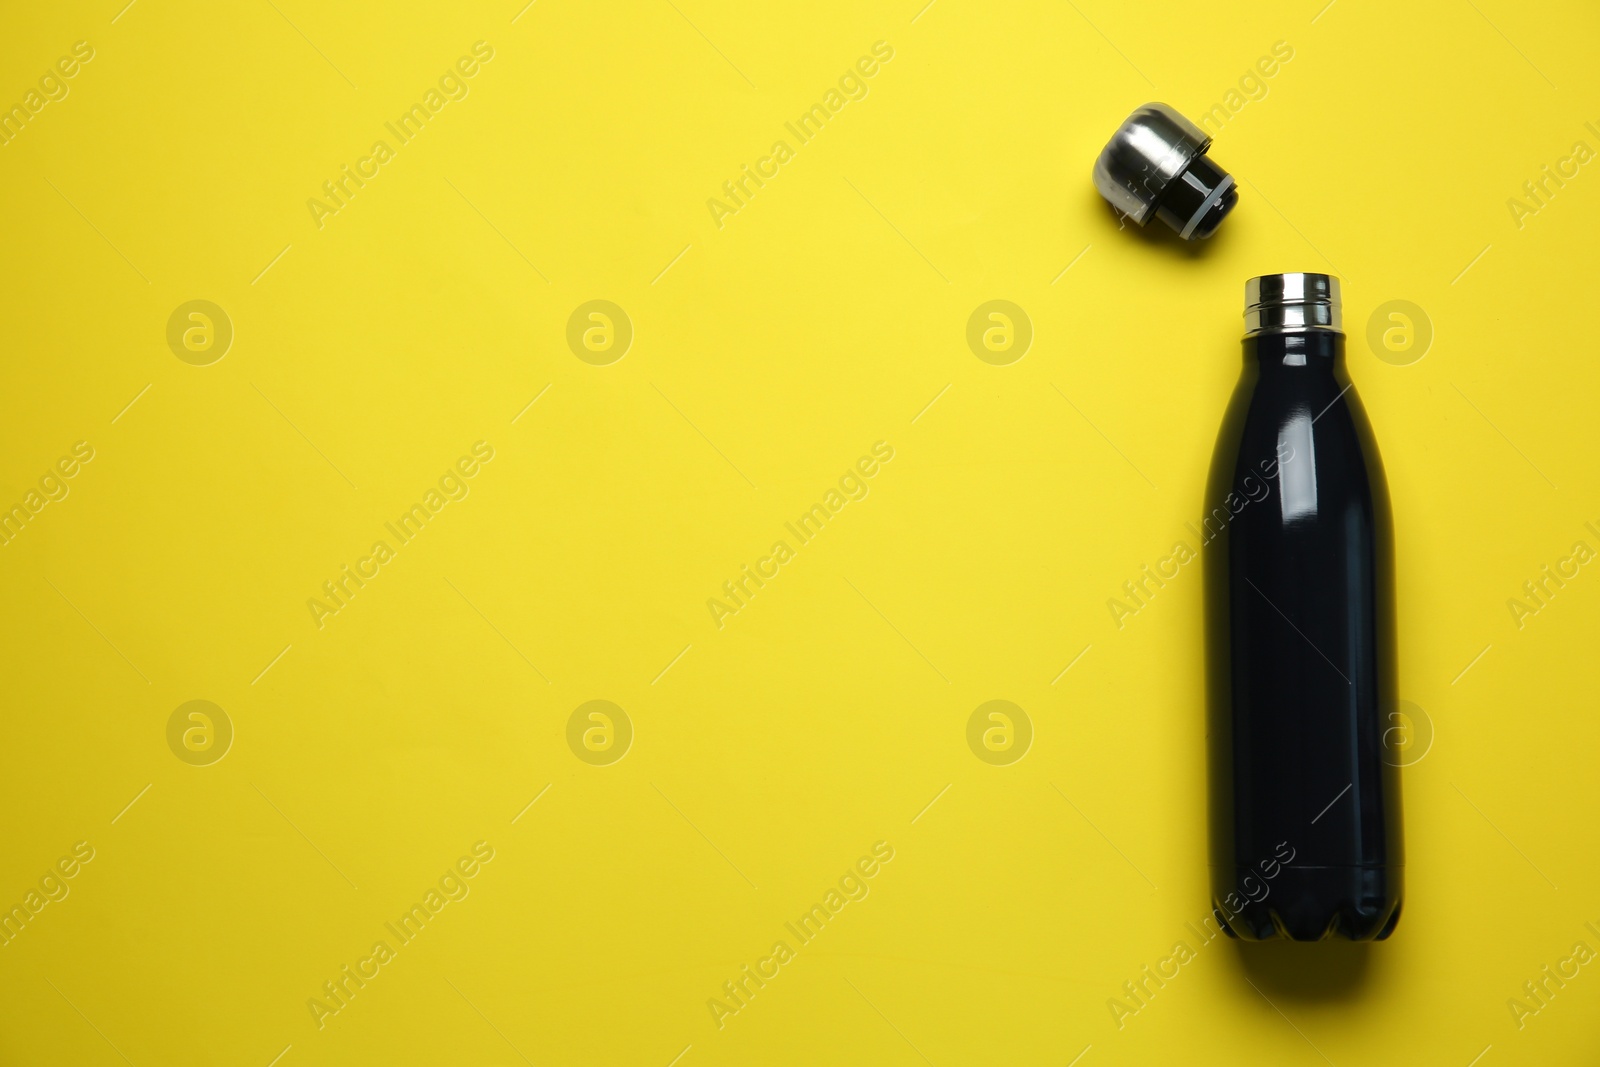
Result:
1317,904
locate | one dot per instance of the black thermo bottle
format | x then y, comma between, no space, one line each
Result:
1300,634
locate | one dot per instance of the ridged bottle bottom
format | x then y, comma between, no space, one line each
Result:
1314,904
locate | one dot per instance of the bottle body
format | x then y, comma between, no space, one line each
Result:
1304,805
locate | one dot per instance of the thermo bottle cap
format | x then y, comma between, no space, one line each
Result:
1292,303
1156,165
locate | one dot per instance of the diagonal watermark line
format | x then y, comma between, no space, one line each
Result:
114,19
86,1019
1502,833
896,629
307,440
1323,12
280,1055
530,804
703,436
1296,229
930,804
485,1018
892,1026
1080,1055
497,630
1332,802
1514,47
1332,402
1480,1055
674,262
1299,631
524,11
97,630
1502,433
897,230
497,230
308,840
530,404
713,45
1474,263
1069,266
1112,43
702,833
1102,433
130,804
930,404
1471,665
130,403
1108,840
1288,1020
687,1047
99,231
923,12
271,665
269,266
1069,666
669,666
313,44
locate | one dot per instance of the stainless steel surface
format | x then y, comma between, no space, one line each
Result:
1149,150
1286,303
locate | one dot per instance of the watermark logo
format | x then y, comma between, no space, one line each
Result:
599,333
739,591
1540,190
453,885
1137,992
199,333
999,332
852,886
339,591
599,733
1538,992
338,191
999,733
1399,332
51,888
1142,589
199,733
737,193
1539,590
52,87
1252,86
1407,736
53,486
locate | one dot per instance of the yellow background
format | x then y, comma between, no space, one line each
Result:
768,355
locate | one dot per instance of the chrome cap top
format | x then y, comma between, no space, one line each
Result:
1292,303
1153,146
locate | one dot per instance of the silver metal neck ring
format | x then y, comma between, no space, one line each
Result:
1292,303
